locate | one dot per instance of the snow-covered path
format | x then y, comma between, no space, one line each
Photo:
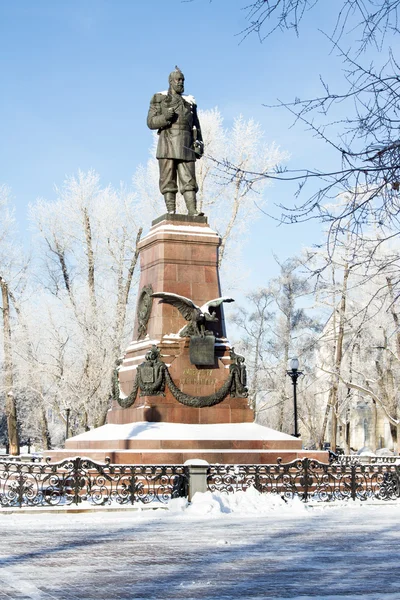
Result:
333,553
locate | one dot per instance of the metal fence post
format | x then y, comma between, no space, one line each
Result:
132,486
76,477
353,481
21,488
305,463
397,474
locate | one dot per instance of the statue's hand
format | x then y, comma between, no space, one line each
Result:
169,114
198,148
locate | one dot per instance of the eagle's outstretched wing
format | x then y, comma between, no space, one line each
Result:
185,306
214,303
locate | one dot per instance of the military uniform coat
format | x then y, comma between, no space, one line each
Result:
176,136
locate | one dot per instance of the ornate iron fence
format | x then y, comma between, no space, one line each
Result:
76,480
311,480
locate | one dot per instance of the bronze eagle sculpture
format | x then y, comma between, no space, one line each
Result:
196,315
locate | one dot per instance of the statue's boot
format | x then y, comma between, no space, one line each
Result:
190,201
170,202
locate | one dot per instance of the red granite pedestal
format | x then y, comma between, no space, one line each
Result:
180,255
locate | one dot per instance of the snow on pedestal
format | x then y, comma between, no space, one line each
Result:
179,255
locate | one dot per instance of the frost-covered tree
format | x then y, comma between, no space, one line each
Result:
254,322
88,248
357,284
294,328
12,284
276,326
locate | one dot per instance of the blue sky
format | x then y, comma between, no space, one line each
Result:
77,76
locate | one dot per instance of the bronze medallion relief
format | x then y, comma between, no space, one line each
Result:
144,310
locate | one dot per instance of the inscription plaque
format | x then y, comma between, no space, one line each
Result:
201,350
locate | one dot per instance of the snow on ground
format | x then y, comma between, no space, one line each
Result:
244,503
183,431
242,546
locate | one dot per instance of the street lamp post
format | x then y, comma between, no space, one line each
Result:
67,412
294,374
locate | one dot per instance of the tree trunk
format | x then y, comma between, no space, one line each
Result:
329,402
373,441
338,358
84,420
394,430
124,289
333,429
90,260
395,316
396,447
44,429
232,220
102,419
11,409
347,441
256,370
286,347
396,321
324,423
254,379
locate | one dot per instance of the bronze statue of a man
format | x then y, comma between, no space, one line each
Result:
180,142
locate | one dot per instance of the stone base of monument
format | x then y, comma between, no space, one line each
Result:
181,394
174,443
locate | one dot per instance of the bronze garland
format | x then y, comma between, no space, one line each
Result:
152,375
198,401
127,402
186,399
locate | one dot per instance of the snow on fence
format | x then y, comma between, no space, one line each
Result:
78,480
310,479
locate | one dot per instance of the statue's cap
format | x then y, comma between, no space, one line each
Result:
176,71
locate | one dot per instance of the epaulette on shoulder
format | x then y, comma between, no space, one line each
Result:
189,98
158,97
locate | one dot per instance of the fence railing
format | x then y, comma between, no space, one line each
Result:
311,480
75,480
